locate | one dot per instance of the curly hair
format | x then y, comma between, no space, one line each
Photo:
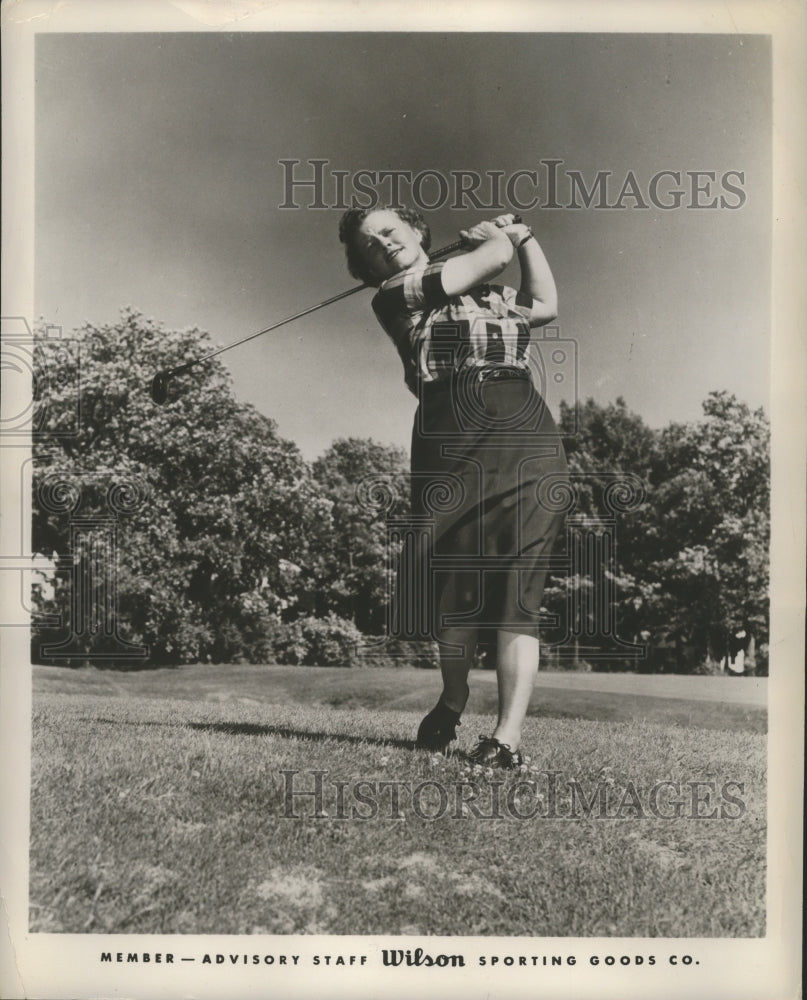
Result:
349,226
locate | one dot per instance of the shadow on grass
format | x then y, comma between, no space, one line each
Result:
254,729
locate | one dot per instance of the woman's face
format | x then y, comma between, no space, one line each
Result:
388,244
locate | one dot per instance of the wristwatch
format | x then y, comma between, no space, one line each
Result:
530,236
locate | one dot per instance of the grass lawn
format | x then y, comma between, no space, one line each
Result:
703,702
159,806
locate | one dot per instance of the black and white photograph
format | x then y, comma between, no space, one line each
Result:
403,484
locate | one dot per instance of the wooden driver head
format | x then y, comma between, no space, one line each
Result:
159,388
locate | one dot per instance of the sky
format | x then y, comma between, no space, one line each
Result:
159,185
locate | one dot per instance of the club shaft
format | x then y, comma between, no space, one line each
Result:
444,251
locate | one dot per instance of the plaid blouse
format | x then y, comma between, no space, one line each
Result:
436,335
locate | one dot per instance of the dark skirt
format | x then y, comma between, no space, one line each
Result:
478,554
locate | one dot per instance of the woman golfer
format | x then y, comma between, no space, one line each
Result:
483,437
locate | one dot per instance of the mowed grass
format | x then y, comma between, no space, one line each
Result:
703,702
165,811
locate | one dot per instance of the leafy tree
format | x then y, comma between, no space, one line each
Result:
365,482
608,447
708,540
218,550
606,438
691,566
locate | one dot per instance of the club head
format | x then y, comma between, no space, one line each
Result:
159,388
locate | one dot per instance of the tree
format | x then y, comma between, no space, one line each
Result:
691,566
612,454
365,482
218,548
708,542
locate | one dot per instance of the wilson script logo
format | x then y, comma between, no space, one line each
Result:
400,956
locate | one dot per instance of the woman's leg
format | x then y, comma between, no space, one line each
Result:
516,670
439,728
455,663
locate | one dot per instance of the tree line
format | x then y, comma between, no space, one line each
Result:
194,532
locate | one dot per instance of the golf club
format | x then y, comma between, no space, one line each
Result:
159,384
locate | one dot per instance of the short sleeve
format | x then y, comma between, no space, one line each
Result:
418,289
399,305
519,302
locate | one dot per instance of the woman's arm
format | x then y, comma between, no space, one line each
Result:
536,276
492,252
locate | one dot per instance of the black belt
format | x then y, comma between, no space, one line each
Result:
479,373
493,372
